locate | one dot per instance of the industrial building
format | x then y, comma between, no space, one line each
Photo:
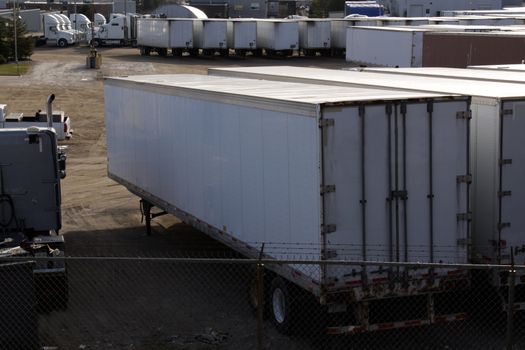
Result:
250,8
419,8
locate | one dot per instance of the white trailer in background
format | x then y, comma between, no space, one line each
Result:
278,36
314,36
153,35
316,173
183,36
385,46
501,75
242,36
338,32
503,67
496,152
213,38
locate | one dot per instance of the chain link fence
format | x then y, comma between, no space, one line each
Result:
236,303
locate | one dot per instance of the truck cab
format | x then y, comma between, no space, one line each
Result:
82,24
54,34
116,32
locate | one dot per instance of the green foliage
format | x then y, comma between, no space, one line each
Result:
7,40
3,60
320,8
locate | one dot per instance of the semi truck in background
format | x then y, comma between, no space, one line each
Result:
54,32
31,168
61,121
120,30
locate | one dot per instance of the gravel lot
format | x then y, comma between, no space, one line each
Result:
150,307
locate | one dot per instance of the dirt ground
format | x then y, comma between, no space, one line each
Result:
102,219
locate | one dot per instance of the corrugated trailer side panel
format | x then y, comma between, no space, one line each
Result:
397,196
256,179
214,34
460,50
181,33
402,48
153,32
314,34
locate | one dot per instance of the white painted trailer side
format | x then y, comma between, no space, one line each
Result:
338,30
213,34
242,34
153,32
492,140
278,34
314,34
401,47
183,33
246,162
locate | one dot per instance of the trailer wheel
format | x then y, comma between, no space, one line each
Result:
144,51
282,305
96,43
162,52
62,43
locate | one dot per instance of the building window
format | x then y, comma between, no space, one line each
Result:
255,6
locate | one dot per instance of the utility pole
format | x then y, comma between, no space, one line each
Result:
15,15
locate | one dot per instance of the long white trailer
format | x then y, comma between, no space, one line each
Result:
324,172
498,126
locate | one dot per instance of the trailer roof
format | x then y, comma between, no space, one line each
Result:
379,79
504,67
302,98
457,73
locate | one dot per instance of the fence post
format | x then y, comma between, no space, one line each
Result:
260,300
510,305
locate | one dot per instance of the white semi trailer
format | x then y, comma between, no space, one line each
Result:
265,161
496,157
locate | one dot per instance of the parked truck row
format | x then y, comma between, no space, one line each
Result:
307,36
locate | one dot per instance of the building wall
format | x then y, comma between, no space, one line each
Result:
417,8
249,8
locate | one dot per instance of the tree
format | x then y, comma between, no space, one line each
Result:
7,40
320,8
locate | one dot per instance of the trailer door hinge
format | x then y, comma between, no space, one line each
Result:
328,229
464,115
327,189
508,112
329,254
505,161
464,216
326,122
464,179
504,193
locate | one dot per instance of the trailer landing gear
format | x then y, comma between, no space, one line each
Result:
147,215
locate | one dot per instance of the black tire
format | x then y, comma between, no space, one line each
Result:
96,43
144,51
283,306
162,52
62,43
